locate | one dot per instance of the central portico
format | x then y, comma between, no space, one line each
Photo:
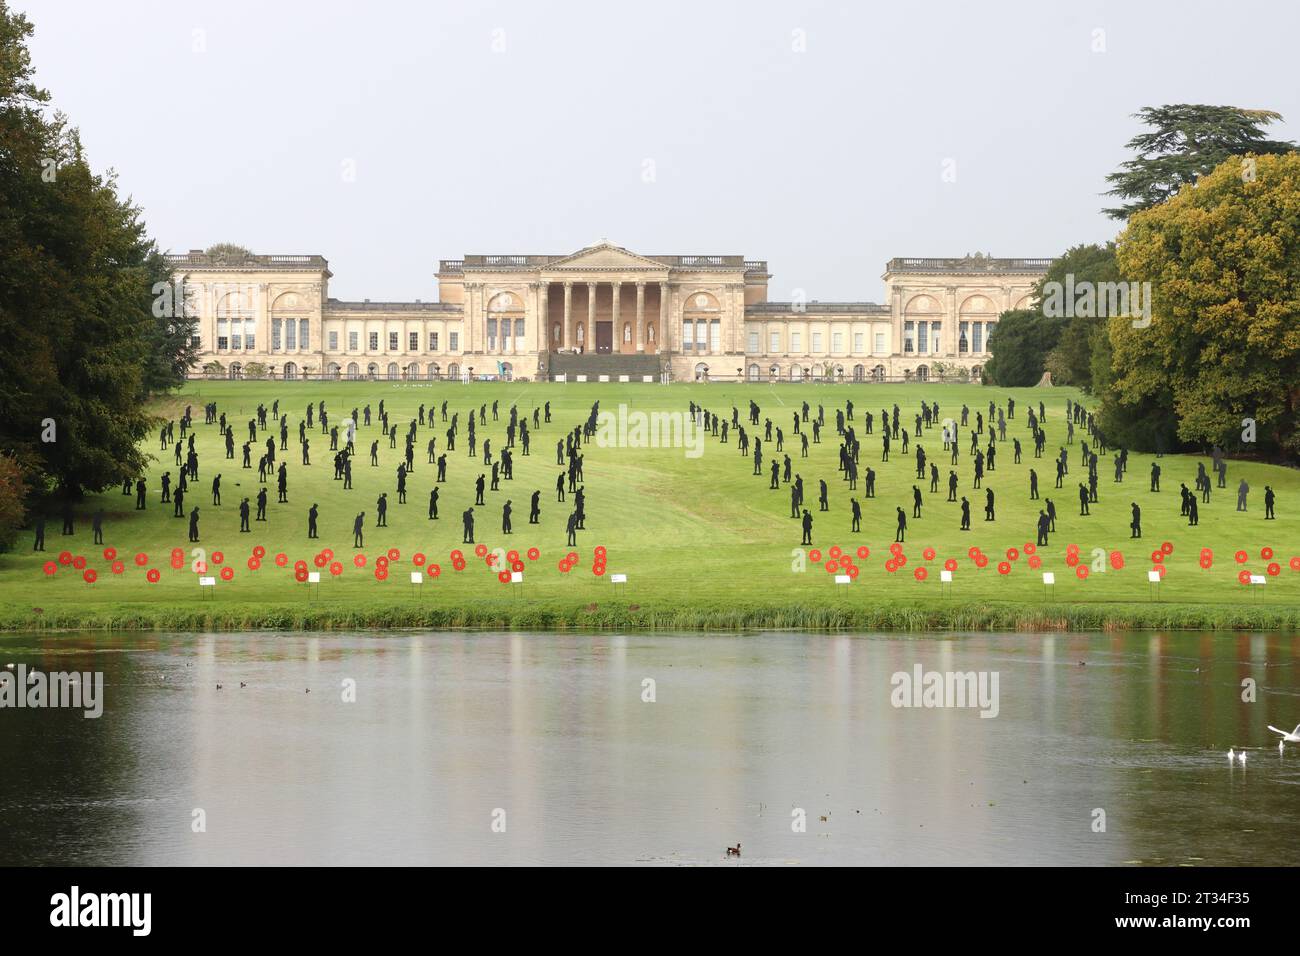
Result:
602,300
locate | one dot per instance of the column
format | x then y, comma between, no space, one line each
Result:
951,325
589,335
567,334
544,317
664,334
616,288
639,331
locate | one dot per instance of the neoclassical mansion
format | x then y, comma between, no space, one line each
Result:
600,312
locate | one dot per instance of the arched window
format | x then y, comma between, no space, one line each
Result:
701,372
290,371
977,372
754,372
354,371
774,373
878,373
507,371
236,370
923,373
332,371
859,373
413,371
796,373
434,371
453,371
393,371
372,371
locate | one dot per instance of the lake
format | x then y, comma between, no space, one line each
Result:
511,748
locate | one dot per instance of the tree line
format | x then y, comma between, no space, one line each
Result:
1186,327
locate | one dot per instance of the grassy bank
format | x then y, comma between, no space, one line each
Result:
704,542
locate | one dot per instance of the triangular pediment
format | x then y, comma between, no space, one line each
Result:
606,255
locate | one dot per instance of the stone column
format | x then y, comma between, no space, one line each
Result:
567,333
589,335
664,333
639,331
616,288
544,317
951,325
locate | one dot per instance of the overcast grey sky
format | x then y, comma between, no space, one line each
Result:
670,128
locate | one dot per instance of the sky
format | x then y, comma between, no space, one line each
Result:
825,138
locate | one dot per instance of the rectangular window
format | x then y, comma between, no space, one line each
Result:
453,341
837,342
291,335
374,341
276,337
715,336
414,339
196,341
977,336
334,341
303,335
753,341
936,336
963,338
795,339
433,341
909,335
248,338
816,343
775,338
688,335
392,341
859,342
236,340
880,343
923,337
354,341
519,332
492,334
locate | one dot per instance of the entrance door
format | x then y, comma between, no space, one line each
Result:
604,337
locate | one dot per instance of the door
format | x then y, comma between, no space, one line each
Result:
604,337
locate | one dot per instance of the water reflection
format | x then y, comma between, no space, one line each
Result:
553,734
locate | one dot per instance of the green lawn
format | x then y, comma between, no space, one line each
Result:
702,541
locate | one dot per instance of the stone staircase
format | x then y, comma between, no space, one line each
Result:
593,365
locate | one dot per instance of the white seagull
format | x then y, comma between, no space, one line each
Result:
1291,738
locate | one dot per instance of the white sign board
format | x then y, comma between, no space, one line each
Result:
945,577
1049,577
843,579
618,579
603,378
207,582
313,577
516,577
417,577
1257,579
1153,577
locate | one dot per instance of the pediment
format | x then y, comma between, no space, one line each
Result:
606,255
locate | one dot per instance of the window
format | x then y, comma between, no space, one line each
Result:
392,343
936,335
909,334
414,339
795,339
977,336
334,341
715,335
303,336
374,341
275,334
433,341
859,344
816,342
775,339
492,334
753,343
291,335
688,335
248,337
519,331
354,341
923,337
837,341
963,341
196,341
880,342
236,334
453,341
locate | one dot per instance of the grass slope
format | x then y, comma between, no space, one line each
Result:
704,542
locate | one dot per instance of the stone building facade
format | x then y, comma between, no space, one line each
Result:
602,307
